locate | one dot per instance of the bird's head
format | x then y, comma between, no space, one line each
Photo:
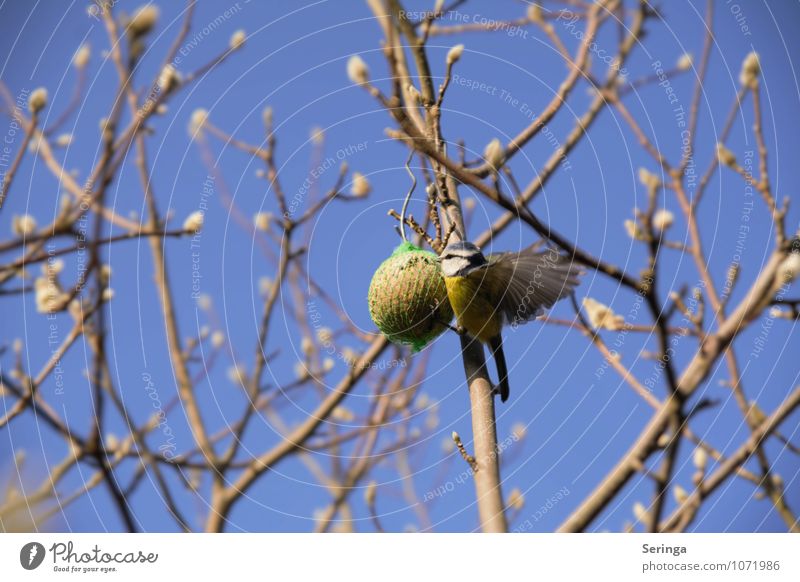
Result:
459,259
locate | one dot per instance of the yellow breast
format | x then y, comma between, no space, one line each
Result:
473,307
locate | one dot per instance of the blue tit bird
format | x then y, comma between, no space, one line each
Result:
505,288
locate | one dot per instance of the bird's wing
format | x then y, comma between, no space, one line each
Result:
531,280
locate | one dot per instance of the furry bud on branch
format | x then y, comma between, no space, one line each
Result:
663,219
357,70
143,20
81,57
237,39
194,222
751,69
361,187
494,154
454,54
685,62
725,156
37,100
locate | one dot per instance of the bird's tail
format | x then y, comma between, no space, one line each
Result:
496,344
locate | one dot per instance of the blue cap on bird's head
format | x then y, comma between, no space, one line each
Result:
461,245
460,258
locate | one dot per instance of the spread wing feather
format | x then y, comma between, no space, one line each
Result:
533,280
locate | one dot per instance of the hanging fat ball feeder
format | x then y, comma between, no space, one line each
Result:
407,296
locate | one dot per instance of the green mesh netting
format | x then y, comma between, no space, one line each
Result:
408,298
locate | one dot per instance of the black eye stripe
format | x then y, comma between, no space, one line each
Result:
473,259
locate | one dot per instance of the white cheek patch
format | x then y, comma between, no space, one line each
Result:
460,265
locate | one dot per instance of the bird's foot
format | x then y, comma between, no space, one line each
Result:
456,328
459,329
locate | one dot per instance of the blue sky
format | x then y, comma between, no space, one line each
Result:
579,420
